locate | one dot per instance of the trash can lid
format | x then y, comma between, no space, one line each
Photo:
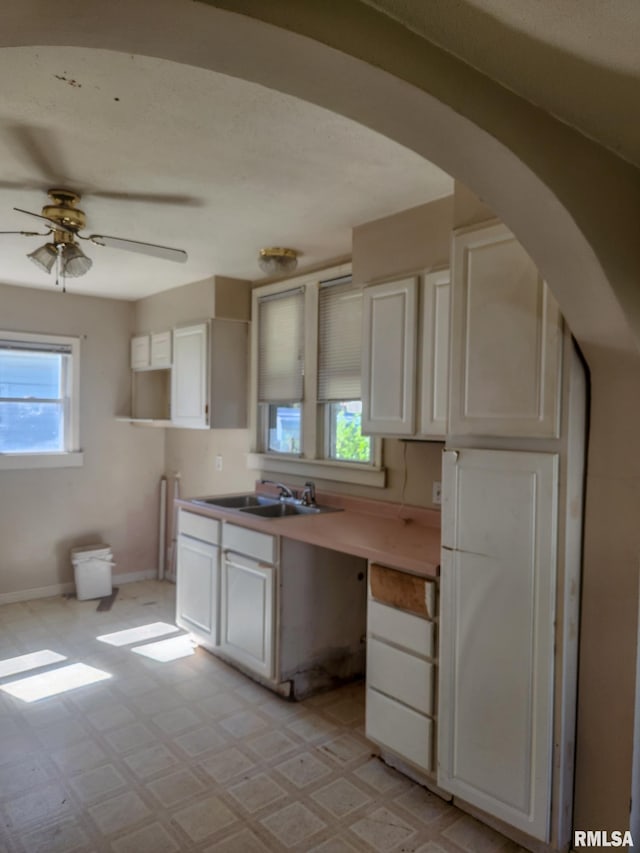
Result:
91,550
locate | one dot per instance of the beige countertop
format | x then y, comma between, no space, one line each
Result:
403,537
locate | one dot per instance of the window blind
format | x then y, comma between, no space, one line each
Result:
35,346
281,347
339,343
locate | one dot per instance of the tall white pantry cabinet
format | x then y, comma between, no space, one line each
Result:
510,565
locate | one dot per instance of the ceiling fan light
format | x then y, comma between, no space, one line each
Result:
74,261
276,261
44,257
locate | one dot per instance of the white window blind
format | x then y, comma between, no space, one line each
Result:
339,343
281,347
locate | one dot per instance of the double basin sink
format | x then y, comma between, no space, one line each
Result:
260,505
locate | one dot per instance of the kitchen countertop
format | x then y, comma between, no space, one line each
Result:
402,537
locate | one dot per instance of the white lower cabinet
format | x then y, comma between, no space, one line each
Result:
401,651
247,612
497,594
288,613
198,577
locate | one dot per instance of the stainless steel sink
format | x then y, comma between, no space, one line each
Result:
266,507
283,509
237,501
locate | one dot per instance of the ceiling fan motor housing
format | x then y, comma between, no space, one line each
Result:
64,209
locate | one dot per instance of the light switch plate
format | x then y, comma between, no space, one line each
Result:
436,492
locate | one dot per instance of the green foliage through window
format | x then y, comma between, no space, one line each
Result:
348,443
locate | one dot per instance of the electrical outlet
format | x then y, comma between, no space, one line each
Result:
436,492
218,462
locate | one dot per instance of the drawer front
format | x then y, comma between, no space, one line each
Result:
400,675
411,632
199,527
260,546
402,590
403,731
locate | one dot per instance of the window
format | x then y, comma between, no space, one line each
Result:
339,360
281,369
307,410
38,398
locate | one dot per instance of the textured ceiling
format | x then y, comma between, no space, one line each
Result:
172,154
577,59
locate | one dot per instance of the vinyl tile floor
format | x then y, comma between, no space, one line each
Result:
189,754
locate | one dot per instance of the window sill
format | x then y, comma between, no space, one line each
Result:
23,461
323,469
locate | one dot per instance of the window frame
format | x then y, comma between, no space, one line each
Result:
71,456
312,461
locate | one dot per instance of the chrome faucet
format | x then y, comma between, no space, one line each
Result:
285,491
308,497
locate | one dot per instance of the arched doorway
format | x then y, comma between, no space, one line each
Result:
580,232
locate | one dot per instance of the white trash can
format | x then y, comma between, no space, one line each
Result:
92,570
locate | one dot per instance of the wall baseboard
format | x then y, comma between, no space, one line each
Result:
69,587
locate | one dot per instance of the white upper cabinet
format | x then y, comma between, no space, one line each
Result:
151,352
161,350
506,340
189,380
405,367
497,594
434,354
389,357
140,352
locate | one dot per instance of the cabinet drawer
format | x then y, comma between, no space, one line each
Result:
260,546
405,732
402,590
411,632
401,675
199,527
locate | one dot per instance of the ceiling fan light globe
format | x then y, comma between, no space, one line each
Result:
44,257
74,261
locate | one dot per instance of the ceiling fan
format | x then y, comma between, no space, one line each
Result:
63,251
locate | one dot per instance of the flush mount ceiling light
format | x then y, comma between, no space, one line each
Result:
276,261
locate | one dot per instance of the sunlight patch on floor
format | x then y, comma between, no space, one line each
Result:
167,650
136,635
23,663
56,681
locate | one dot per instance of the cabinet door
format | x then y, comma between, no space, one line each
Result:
434,358
246,614
389,357
506,340
189,399
197,582
497,597
161,349
140,352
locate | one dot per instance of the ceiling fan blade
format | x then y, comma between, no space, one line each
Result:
40,149
168,254
174,199
28,233
58,226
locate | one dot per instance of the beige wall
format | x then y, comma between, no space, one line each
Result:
113,498
410,241
192,453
